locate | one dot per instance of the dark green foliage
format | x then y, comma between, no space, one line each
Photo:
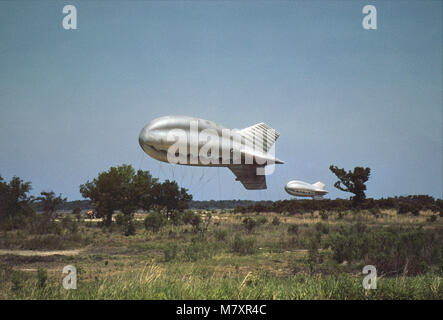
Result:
323,228
392,250
170,251
170,196
69,224
275,221
375,211
408,204
121,188
220,235
15,203
249,223
188,215
49,203
126,224
177,218
42,224
262,220
323,215
42,277
197,250
195,222
243,246
293,229
155,221
353,182
314,257
120,219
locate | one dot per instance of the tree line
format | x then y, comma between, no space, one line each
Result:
118,189
403,204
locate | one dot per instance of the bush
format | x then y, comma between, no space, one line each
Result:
126,224
42,276
69,224
170,251
155,221
293,229
323,215
195,222
120,219
375,211
322,228
177,218
197,250
220,235
406,207
243,246
314,257
393,250
249,223
262,220
275,221
187,216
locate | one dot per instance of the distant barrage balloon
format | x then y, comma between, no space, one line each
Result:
304,189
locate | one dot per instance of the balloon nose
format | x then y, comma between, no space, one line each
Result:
145,137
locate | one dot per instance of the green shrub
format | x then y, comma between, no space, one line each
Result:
69,224
177,218
262,220
249,223
220,234
406,207
375,211
170,251
126,224
120,219
243,246
275,221
195,222
293,229
197,250
42,276
155,221
322,227
187,216
393,250
323,215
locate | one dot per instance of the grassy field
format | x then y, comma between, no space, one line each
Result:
304,256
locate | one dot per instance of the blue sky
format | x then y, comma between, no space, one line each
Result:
72,102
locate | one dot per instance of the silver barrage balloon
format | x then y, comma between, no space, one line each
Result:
304,189
198,142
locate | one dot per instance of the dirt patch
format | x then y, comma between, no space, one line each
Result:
40,253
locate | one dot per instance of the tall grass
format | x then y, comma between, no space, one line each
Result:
196,282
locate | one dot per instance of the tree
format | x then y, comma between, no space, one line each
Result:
169,196
14,200
353,182
119,188
49,202
143,189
